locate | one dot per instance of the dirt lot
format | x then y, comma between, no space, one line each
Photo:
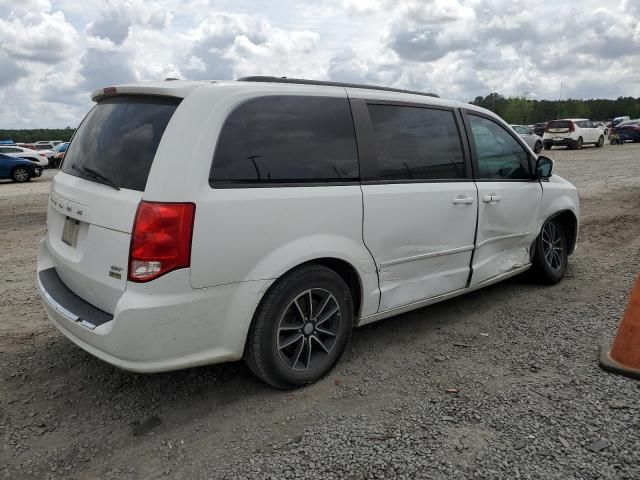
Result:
531,401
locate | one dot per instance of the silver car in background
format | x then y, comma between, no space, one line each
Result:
531,139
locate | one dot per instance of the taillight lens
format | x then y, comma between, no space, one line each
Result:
572,127
161,239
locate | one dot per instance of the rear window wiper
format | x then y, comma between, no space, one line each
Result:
96,175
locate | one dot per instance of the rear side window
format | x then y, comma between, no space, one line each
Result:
416,143
119,138
287,139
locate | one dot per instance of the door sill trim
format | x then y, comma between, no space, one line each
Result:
439,298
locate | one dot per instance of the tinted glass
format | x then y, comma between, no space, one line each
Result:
287,139
417,143
499,155
521,130
119,138
559,124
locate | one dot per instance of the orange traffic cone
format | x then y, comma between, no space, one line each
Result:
624,355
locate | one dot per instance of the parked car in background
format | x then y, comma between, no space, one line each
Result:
18,169
58,154
572,133
618,120
629,130
151,270
30,146
533,140
538,128
25,153
603,126
50,143
45,149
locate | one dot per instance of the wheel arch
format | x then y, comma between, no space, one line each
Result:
340,266
343,268
569,222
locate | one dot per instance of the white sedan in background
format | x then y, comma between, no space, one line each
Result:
26,153
530,138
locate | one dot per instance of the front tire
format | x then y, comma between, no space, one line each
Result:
537,148
547,146
301,328
600,142
21,175
551,253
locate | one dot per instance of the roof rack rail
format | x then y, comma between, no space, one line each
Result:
303,81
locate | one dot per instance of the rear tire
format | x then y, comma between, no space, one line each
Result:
551,254
537,147
547,146
579,144
21,175
290,342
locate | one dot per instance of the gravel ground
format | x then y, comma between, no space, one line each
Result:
501,383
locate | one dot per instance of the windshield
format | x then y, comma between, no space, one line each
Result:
119,138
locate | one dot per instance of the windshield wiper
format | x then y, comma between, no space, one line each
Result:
96,175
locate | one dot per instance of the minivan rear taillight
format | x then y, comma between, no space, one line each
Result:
572,127
161,239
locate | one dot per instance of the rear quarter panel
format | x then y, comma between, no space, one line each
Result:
246,234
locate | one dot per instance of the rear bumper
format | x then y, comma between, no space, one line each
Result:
566,142
160,326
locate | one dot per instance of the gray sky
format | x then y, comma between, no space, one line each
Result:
54,52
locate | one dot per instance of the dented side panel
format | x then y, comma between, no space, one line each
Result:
421,240
508,223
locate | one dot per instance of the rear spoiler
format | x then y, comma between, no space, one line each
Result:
179,89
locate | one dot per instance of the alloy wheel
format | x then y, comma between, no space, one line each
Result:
21,175
308,329
552,246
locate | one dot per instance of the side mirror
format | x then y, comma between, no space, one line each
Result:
544,166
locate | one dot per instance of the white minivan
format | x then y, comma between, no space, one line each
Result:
201,222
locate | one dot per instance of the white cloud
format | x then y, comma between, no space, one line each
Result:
53,52
37,36
116,18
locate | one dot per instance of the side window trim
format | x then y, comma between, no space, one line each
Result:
365,140
368,151
474,154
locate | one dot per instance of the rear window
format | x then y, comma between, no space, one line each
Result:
559,124
119,138
287,139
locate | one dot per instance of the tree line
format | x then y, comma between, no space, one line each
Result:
33,135
525,111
